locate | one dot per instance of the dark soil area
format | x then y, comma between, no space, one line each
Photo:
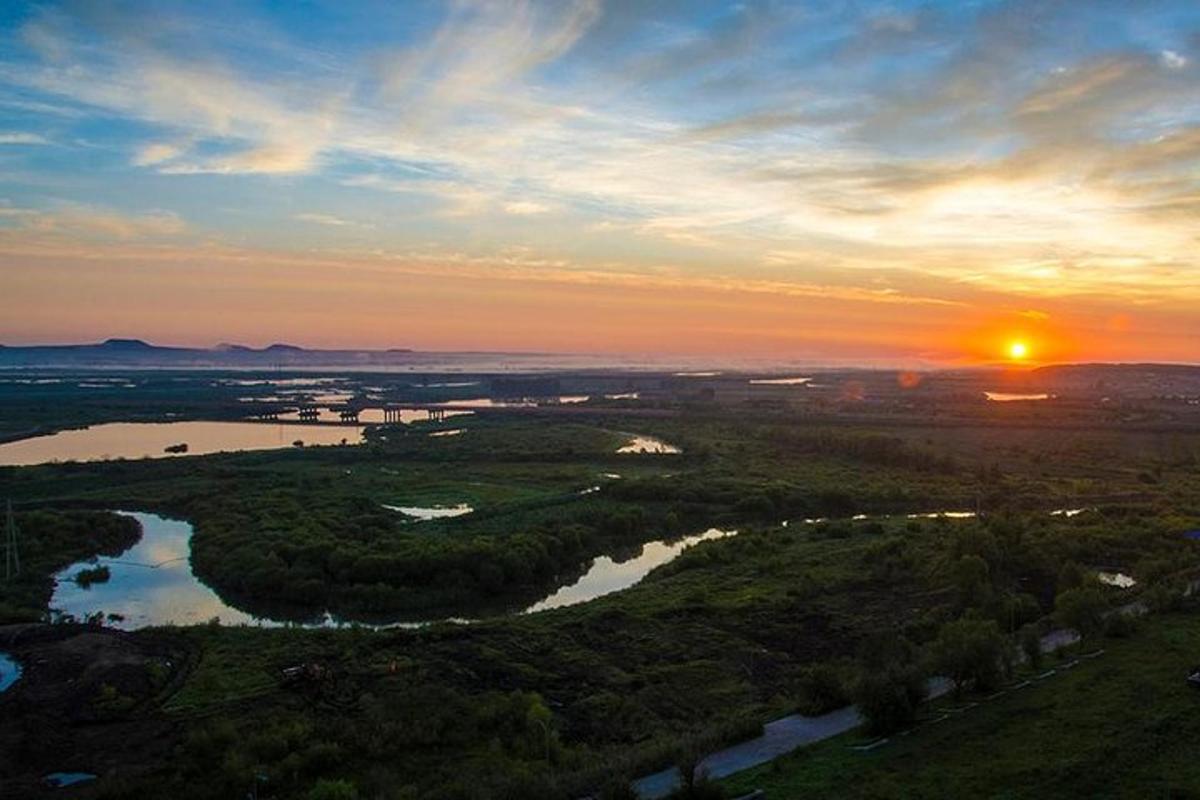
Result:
87,701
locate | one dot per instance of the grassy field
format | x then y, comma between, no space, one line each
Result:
730,634
1121,725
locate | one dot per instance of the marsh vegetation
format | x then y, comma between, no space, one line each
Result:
862,605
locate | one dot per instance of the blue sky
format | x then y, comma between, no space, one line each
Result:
988,164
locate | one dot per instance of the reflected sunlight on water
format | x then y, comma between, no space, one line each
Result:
148,440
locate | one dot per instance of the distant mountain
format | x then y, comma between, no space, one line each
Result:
140,354
126,344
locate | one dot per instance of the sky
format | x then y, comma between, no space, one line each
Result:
875,182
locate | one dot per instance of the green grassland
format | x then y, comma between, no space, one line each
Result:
1121,725
730,634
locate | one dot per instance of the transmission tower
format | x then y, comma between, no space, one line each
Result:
12,557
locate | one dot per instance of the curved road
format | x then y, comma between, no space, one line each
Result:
784,735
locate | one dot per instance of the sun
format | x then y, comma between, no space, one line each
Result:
1017,350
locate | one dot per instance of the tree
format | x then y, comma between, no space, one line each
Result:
688,758
1081,609
326,789
972,653
891,683
1031,645
1071,576
971,576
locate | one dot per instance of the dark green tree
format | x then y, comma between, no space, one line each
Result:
972,653
1081,609
891,684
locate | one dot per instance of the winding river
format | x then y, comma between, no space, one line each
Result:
152,582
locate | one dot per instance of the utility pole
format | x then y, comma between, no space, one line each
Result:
12,557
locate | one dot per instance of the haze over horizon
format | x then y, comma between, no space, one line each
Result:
879,183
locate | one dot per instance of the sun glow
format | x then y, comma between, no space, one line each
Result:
1017,350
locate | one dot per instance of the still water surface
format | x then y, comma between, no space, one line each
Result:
606,576
10,671
423,513
647,444
152,582
1011,397
148,440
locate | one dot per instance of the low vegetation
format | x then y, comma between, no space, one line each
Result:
802,617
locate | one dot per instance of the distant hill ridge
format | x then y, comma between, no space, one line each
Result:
117,352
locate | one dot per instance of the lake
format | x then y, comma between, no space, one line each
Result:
148,439
152,582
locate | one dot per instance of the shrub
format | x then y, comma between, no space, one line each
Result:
891,683
972,653
1030,640
822,689
325,789
1081,609
1120,625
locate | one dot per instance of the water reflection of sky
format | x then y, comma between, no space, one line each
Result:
1011,397
606,576
145,594
432,512
10,671
152,582
148,440
647,444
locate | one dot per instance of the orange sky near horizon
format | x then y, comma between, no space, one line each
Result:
181,296
878,183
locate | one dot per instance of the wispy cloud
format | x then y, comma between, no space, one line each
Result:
998,148
331,220
16,137
91,223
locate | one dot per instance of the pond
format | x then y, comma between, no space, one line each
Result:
422,513
647,444
59,780
1010,397
1117,579
152,582
10,671
150,439
780,381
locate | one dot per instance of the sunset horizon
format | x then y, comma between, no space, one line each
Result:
886,181
599,399
1016,355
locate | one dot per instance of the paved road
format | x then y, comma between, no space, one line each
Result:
788,733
